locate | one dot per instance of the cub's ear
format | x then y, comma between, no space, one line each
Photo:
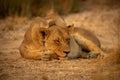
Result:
70,28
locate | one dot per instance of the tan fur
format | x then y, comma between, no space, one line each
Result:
49,37
82,39
86,39
43,40
90,45
31,47
58,41
59,21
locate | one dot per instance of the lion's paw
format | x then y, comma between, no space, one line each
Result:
92,55
45,56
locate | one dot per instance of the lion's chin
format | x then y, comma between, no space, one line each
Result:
60,54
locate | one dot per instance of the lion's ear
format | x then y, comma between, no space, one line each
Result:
44,32
70,28
51,22
56,18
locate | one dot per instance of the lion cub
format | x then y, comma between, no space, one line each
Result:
83,43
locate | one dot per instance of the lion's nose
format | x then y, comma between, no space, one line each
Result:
66,52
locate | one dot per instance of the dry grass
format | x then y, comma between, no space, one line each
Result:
32,8
115,56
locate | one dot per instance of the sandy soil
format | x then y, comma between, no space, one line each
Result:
14,67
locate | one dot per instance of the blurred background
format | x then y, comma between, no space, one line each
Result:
32,8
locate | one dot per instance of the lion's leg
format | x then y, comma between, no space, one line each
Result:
29,53
75,49
87,44
37,54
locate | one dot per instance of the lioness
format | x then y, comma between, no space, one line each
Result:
45,39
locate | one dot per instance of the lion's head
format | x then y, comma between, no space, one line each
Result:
45,39
58,41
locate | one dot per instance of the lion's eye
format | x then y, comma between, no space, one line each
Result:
57,41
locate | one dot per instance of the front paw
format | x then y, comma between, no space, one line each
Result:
45,55
72,56
92,55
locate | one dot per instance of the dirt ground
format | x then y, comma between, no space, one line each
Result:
14,67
